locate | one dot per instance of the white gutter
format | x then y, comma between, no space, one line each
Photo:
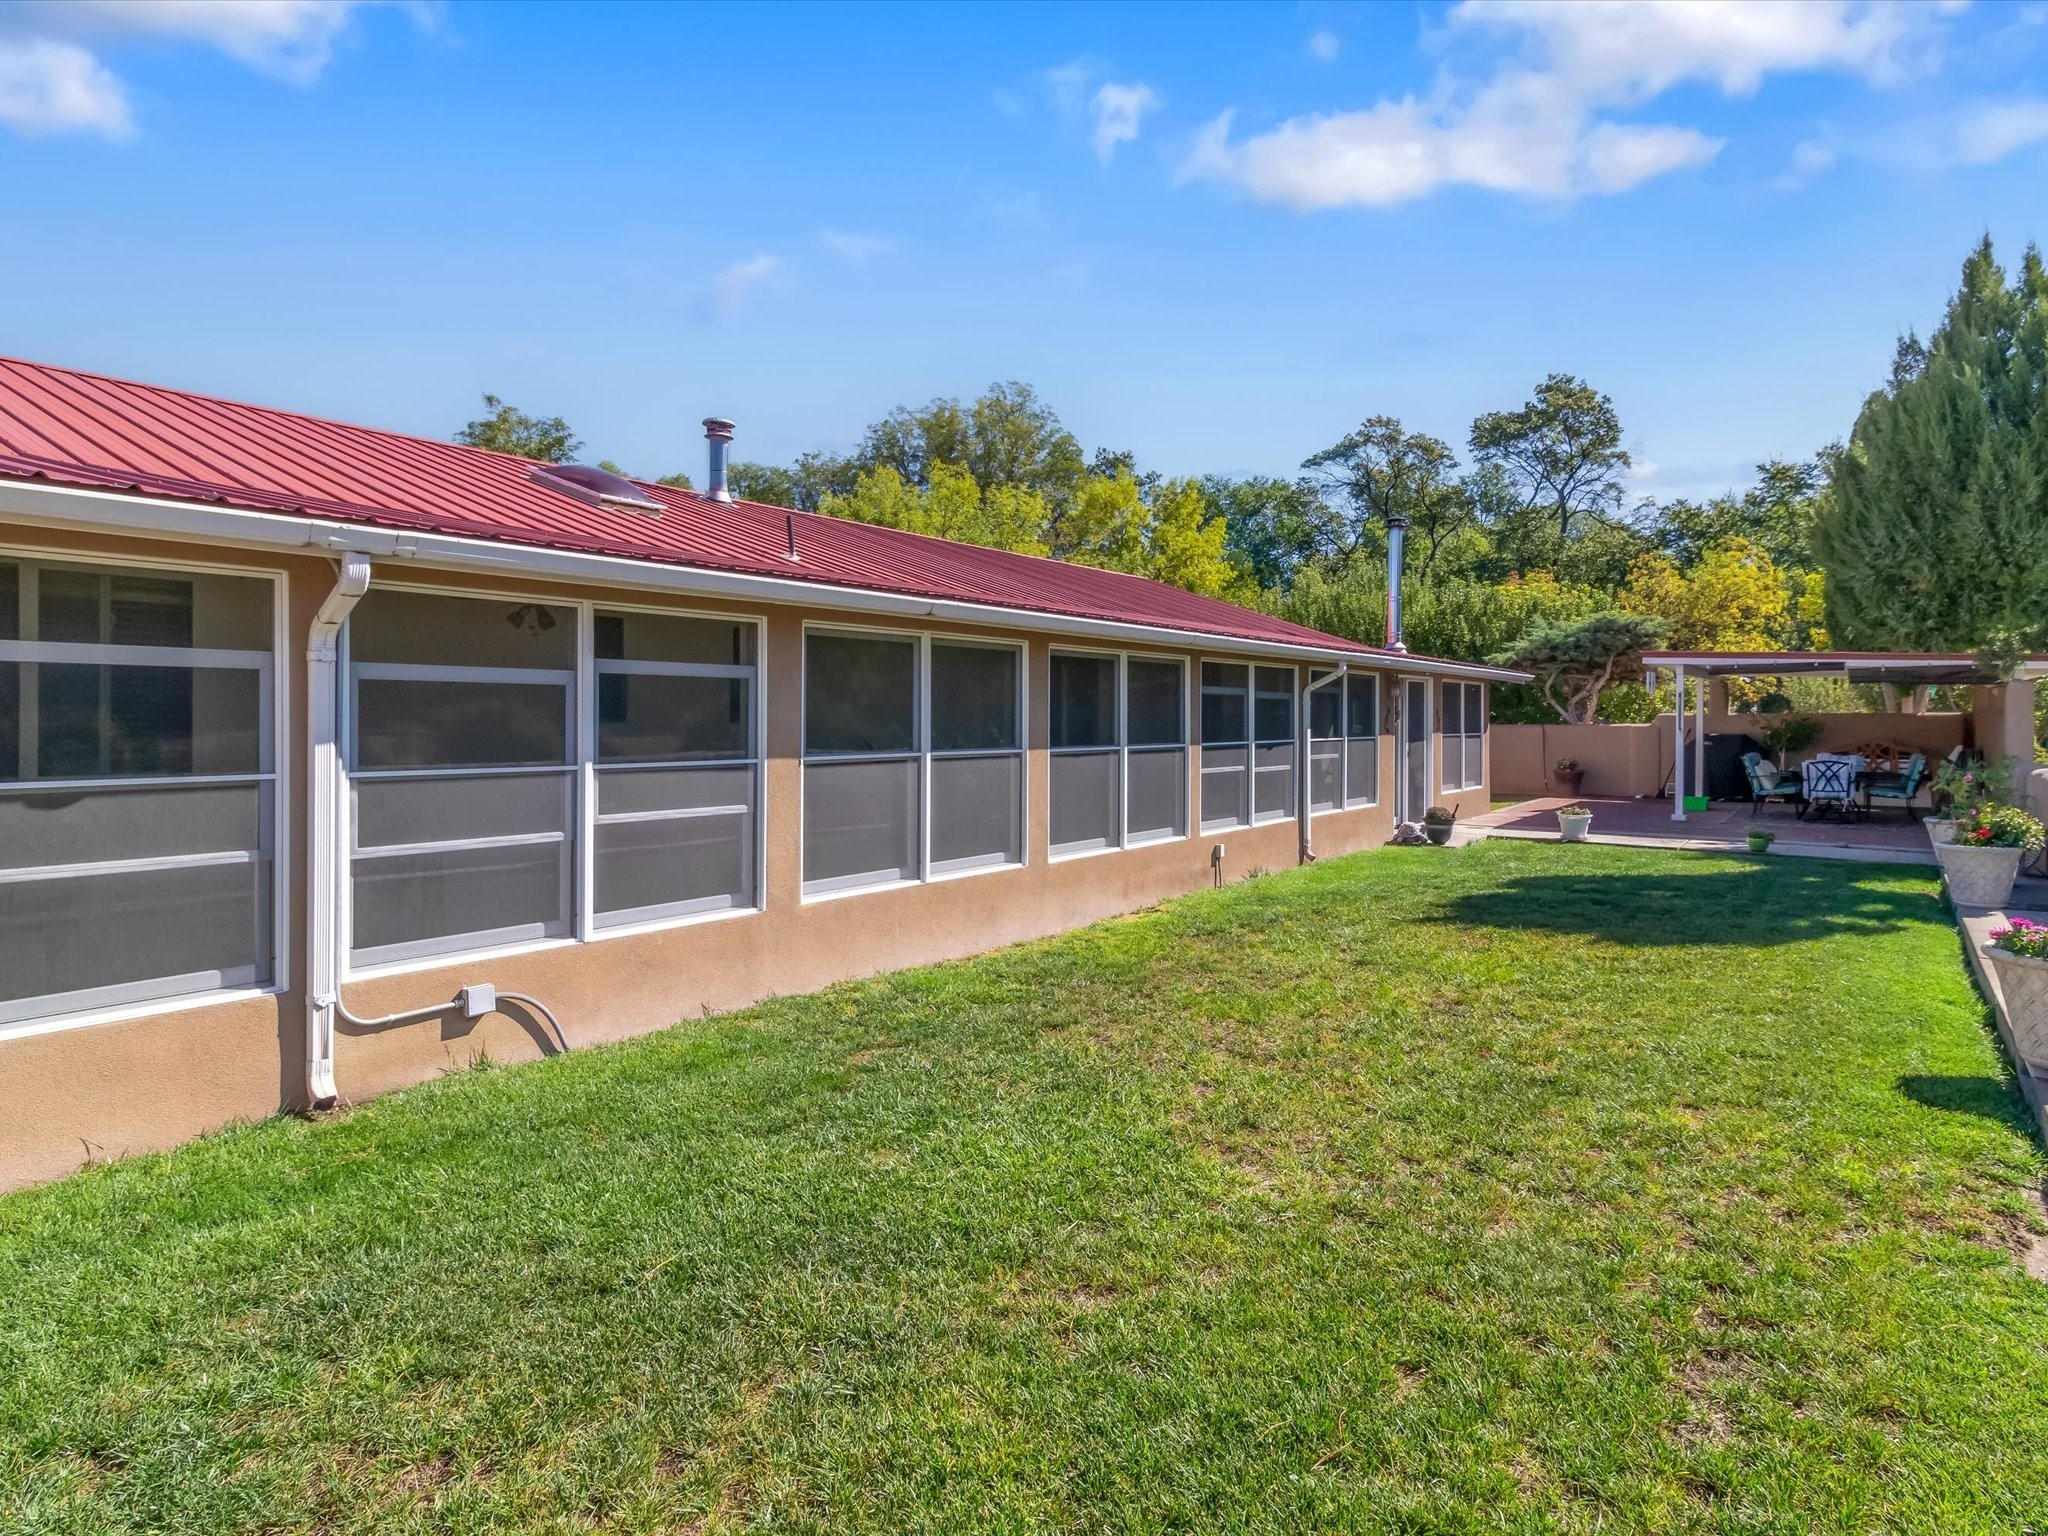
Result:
102,511
323,832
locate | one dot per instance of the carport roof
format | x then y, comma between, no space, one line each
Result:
1909,667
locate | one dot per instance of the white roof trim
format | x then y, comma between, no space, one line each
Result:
204,522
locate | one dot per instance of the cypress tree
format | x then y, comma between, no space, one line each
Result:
1936,536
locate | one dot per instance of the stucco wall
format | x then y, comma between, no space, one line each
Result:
104,1090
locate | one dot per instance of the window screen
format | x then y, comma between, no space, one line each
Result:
1086,767
137,786
462,753
1226,744
1361,740
1083,701
1156,760
678,774
977,757
863,784
1273,756
1464,735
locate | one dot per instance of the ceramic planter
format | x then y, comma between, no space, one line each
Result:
2023,981
1978,877
1568,781
1760,842
1438,832
1573,828
1940,829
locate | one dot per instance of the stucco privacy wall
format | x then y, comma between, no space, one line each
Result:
105,1090
1626,760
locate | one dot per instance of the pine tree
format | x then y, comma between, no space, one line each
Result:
1936,535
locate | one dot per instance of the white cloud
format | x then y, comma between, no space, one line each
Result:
1990,131
50,87
1811,160
1324,45
1538,120
53,81
733,287
1114,111
853,246
1119,110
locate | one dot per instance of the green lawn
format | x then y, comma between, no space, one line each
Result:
1515,1187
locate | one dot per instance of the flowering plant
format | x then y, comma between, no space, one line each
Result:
1965,786
1573,810
1999,826
2022,938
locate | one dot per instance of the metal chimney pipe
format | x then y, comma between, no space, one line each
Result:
718,433
1397,536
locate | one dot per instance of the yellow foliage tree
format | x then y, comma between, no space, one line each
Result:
1733,599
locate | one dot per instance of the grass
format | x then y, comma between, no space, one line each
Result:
1508,1188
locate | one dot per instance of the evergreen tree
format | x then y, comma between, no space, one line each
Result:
1936,535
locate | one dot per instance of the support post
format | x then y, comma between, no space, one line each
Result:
1699,739
1678,743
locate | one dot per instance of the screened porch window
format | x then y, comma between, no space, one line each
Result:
462,759
678,773
137,786
1226,745
1343,729
1464,735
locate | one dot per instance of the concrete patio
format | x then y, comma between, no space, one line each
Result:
1887,836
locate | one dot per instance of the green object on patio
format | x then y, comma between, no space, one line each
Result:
1696,802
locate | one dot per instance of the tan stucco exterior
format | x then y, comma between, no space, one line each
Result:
108,1089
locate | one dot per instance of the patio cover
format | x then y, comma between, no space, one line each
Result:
1912,668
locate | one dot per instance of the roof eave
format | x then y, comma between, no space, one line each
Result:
215,523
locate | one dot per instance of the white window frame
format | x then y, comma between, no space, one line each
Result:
1472,695
1062,853
592,925
1293,769
837,887
1248,798
1371,743
198,989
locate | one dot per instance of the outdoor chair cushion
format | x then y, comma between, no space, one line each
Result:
1766,775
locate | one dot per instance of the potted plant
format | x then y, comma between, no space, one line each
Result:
1984,858
1793,733
2019,956
1568,776
1437,822
1572,822
1760,839
1958,789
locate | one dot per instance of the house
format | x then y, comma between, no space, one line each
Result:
330,757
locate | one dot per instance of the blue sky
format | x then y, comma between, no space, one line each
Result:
1219,236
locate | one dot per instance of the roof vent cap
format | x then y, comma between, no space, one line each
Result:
597,487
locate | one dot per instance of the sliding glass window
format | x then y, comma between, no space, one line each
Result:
462,755
913,758
678,771
137,785
1464,735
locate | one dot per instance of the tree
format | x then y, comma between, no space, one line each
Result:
952,506
1561,451
1381,472
1576,660
506,430
1015,439
1936,535
1775,514
1272,527
770,484
1733,599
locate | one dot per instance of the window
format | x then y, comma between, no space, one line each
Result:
1343,725
462,751
1226,744
1273,743
1464,735
1156,760
913,758
1119,765
137,786
678,777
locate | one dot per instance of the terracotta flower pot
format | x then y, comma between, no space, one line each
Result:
1573,828
2023,981
1568,781
1978,877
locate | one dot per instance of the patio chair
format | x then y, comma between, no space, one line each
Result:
1787,789
1900,787
1828,781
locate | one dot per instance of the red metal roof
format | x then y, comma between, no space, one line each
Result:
82,429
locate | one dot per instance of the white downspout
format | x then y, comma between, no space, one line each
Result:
323,826
1307,768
